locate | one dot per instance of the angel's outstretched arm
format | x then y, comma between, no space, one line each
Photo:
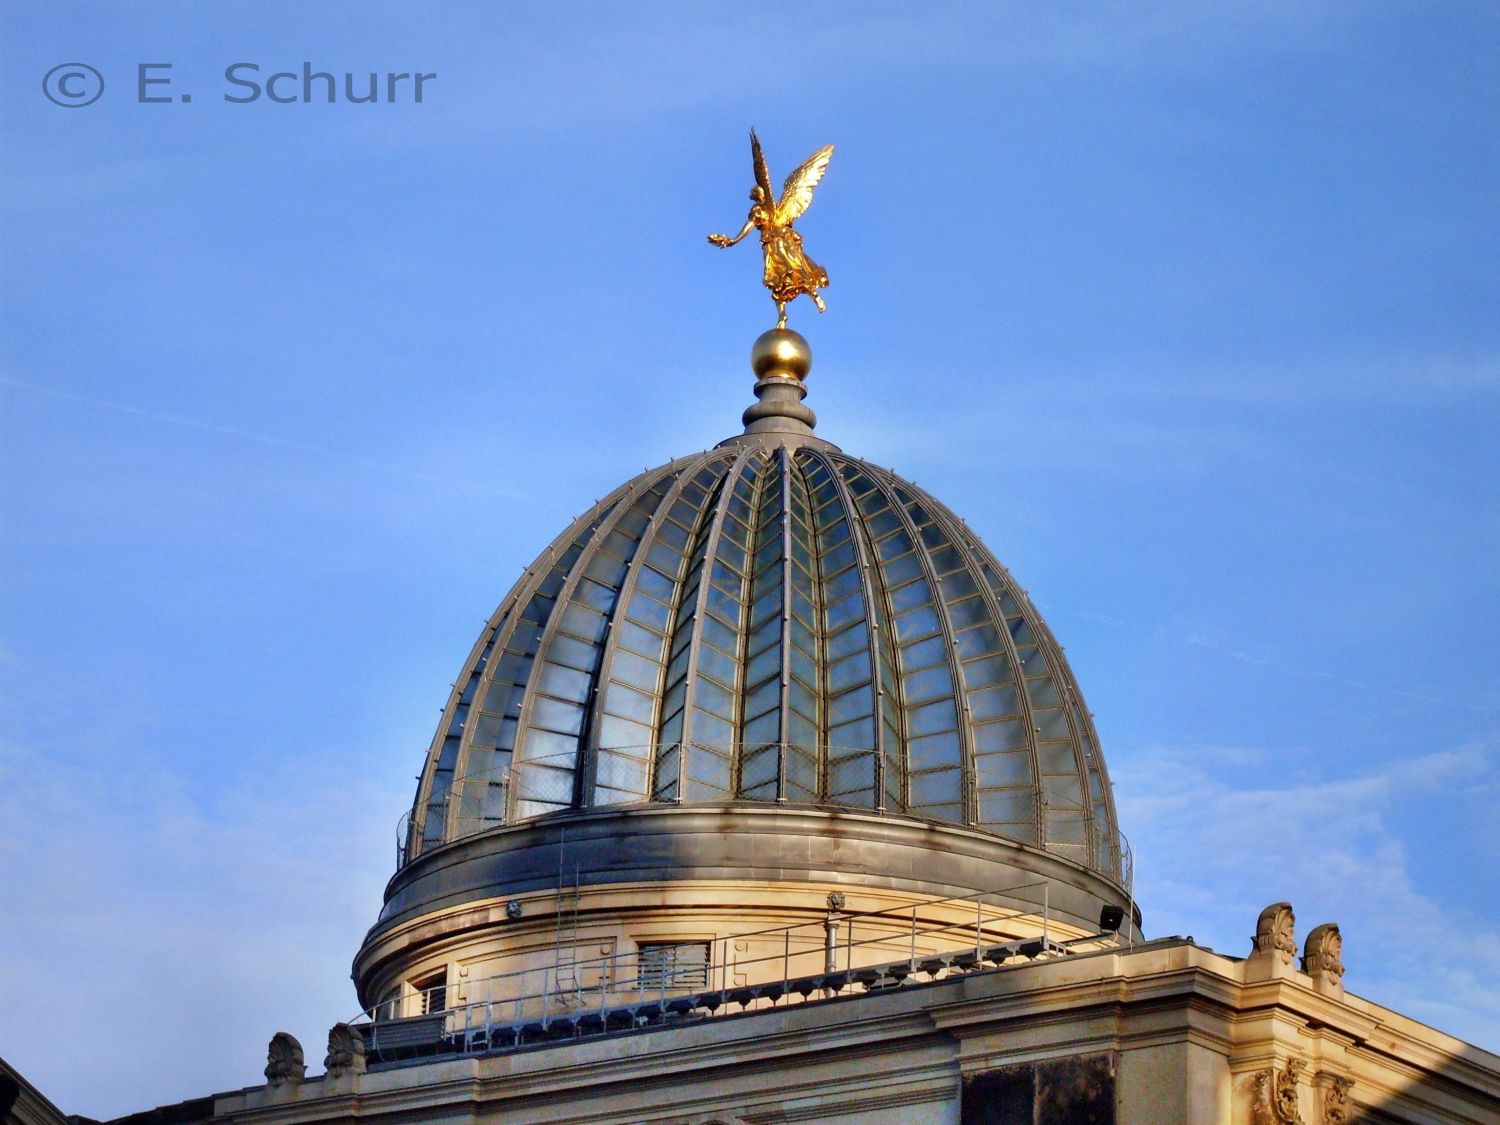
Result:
725,240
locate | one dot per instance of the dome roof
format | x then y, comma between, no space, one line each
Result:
771,621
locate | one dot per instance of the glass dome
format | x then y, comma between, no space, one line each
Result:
771,621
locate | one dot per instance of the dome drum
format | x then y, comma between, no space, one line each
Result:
709,854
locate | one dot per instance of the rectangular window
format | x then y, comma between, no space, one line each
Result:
673,966
431,993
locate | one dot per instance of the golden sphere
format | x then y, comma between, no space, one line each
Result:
780,352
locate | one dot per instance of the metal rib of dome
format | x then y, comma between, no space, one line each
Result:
770,621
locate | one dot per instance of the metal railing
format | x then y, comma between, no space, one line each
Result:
797,963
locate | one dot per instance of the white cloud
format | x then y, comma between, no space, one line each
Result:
194,926
1221,832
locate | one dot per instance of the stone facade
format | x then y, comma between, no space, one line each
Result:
1158,1032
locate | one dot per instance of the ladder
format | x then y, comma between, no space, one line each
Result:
567,981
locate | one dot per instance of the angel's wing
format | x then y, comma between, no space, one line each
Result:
797,193
762,171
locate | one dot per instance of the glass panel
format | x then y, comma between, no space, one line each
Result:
1003,769
850,705
803,732
565,683
936,787
993,702
538,609
759,766
846,673
717,633
620,772
620,733
945,557
987,670
725,607
636,638
857,735
768,554
845,583
486,728
934,650
666,768
882,523
803,667
556,715
971,612
635,670
908,596
1050,724
833,534
763,697
766,728
705,768
712,662
898,544
711,730
916,623
1063,792
852,639
629,703
711,697
673,533
649,611
934,751
664,557
930,683
850,776
557,750
734,534
1042,693
573,652
583,623
801,775
801,698
768,661
932,718
1056,758
673,699
838,558
957,586
1010,734
767,581
654,582
1016,806
607,571
1066,828
902,570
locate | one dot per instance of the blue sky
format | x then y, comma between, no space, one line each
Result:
1190,310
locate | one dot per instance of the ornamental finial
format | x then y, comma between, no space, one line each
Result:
789,272
781,360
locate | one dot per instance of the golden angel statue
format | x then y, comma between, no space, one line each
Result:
789,272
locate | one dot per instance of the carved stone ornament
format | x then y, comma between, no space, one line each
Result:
1336,1102
284,1063
1276,1095
346,1051
1321,954
1276,932
835,900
